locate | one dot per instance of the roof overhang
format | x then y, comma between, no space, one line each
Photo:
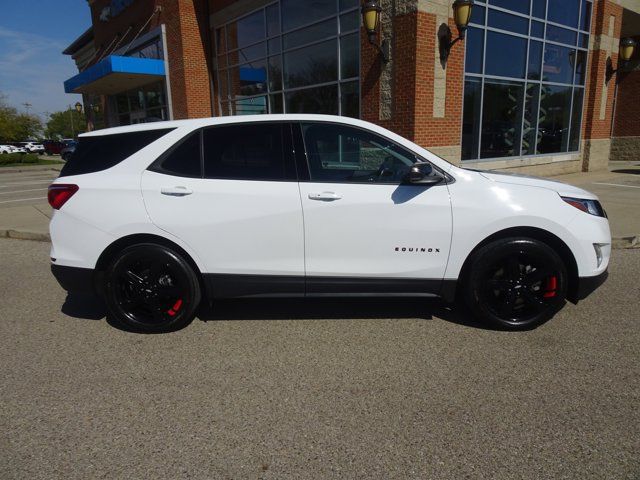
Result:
116,74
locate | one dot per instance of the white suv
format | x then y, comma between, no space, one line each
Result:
32,147
156,217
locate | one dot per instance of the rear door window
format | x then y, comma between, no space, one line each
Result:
249,152
183,159
94,154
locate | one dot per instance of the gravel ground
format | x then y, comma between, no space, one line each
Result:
315,389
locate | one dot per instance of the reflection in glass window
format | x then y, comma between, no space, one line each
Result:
349,54
521,6
506,21
283,54
350,96
475,50
529,100
310,34
296,13
576,119
323,100
314,64
471,117
564,12
553,124
501,119
506,55
558,64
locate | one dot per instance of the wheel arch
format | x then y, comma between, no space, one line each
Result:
552,240
109,253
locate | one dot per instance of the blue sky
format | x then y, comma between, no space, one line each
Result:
33,34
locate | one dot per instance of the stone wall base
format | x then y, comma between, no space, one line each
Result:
596,154
626,149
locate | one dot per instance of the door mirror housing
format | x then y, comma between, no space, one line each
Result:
421,174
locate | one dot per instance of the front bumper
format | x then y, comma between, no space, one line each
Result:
74,279
587,285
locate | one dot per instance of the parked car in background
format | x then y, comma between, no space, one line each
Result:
156,217
6,149
18,149
53,147
32,147
67,151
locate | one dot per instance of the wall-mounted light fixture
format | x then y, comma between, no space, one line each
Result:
462,10
371,18
78,106
627,47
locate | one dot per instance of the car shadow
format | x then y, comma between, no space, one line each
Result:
93,308
628,171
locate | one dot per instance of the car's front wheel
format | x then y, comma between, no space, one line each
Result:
150,288
515,283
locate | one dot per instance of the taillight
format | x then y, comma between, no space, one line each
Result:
59,193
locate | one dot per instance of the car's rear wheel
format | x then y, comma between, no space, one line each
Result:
151,288
516,283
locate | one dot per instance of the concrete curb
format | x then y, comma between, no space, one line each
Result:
43,168
25,235
617,243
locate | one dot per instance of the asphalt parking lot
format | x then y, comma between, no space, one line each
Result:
26,188
315,389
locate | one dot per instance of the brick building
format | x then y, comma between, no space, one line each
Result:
528,89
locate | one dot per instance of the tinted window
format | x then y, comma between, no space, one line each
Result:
94,154
245,152
337,153
183,159
506,55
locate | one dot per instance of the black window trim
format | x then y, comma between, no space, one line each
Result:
288,151
302,158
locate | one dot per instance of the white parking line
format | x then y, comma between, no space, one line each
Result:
617,185
23,200
22,191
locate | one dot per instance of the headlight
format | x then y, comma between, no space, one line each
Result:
592,207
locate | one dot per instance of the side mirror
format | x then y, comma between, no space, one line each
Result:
417,176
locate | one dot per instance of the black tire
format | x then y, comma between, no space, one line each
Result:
150,288
515,283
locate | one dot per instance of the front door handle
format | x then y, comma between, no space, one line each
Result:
176,191
325,196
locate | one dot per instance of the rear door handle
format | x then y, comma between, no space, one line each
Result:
325,196
176,191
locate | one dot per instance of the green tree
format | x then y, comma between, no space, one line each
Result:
14,126
66,124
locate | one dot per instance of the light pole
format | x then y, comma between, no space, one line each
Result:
73,134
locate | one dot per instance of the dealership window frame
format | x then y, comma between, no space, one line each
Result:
525,80
227,102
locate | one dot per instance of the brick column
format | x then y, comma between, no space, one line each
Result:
598,108
414,95
625,138
188,55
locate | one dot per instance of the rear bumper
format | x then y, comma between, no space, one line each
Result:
74,279
588,285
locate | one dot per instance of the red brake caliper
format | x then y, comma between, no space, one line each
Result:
552,286
176,306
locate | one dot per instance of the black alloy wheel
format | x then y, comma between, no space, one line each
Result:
516,283
151,288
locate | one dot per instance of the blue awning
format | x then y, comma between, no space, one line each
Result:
115,74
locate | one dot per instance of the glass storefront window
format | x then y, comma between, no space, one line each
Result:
524,92
288,51
146,104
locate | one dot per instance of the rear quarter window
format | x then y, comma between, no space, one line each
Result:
94,154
